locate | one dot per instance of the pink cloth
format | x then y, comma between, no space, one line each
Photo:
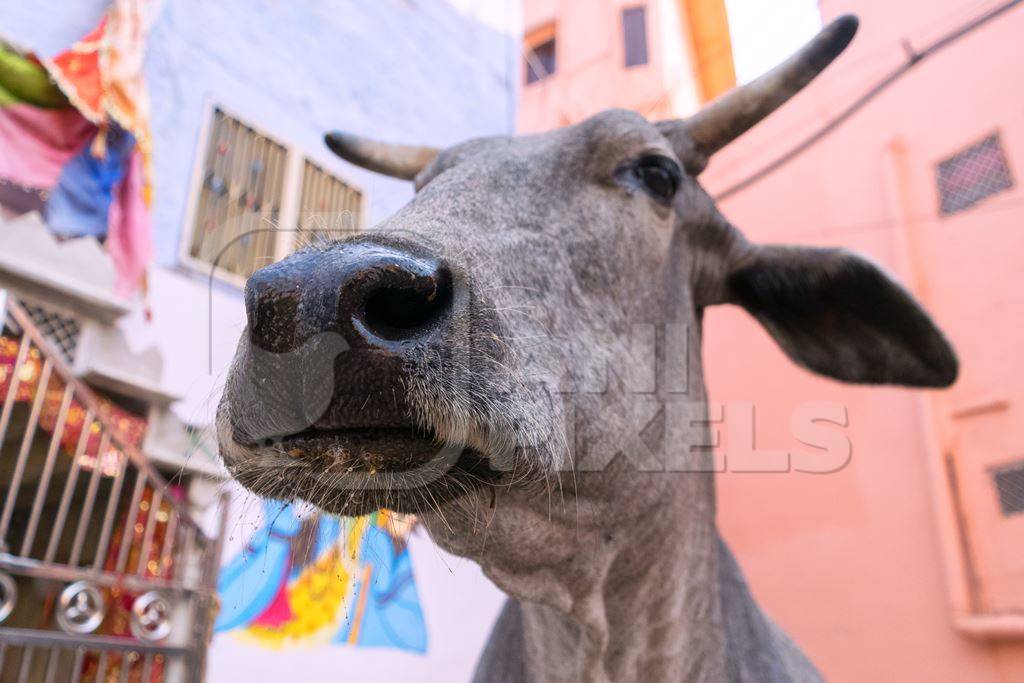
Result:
130,238
37,143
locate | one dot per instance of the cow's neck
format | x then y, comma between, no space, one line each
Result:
628,599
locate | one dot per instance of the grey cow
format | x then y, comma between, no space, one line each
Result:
515,357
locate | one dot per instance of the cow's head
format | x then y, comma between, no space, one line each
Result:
449,356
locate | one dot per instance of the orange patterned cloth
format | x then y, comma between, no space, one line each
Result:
102,75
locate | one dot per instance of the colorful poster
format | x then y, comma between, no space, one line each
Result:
323,580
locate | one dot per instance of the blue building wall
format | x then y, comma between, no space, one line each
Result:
419,71
422,71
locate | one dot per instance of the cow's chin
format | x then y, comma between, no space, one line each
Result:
356,471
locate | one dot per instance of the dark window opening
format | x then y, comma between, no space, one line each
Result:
634,31
540,61
973,175
1010,487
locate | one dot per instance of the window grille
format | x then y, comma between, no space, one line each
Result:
329,208
973,175
240,198
257,199
1009,483
634,32
61,330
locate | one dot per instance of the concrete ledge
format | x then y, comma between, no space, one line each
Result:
76,274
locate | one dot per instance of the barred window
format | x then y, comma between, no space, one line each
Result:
973,175
61,330
240,198
328,207
1009,483
256,199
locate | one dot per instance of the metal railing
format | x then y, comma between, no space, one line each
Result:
104,573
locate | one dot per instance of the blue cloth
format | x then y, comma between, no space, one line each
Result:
79,204
393,617
250,582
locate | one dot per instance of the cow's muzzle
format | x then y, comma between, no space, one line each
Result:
332,335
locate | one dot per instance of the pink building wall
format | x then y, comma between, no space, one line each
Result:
899,566
590,54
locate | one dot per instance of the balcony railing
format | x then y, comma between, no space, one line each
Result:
105,573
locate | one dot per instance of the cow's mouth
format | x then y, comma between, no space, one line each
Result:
355,471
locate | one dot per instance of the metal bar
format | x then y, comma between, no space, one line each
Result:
3,653
126,666
101,668
210,581
167,546
212,238
69,489
302,219
350,208
147,668
90,500
227,228
129,527
265,238
260,238
334,199
55,572
200,234
26,664
218,542
76,665
44,480
87,397
147,537
245,258
12,388
52,664
33,638
190,539
112,502
338,208
320,178
26,446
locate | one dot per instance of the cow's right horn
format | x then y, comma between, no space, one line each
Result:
398,161
733,114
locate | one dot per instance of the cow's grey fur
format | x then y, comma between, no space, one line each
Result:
614,564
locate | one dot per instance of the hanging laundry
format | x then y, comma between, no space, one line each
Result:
75,141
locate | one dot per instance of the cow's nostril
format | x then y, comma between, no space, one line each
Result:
408,310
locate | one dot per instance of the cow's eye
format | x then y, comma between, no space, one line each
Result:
656,175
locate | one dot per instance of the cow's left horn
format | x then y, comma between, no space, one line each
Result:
398,161
737,111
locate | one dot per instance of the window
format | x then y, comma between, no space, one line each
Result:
1010,488
539,53
253,195
973,175
240,194
634,32
63,331
327,206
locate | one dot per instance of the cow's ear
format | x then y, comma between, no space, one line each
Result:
839,315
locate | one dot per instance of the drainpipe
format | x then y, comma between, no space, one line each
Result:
962,585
